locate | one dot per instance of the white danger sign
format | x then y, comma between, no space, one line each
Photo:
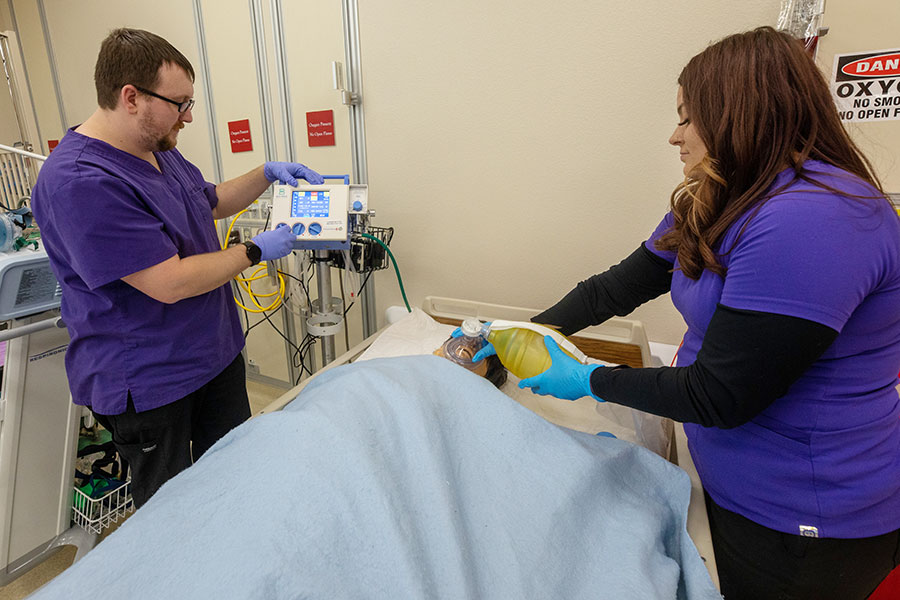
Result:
866,87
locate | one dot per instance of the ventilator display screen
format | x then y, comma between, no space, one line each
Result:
310,203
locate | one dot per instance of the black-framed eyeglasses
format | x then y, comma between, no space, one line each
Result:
183,107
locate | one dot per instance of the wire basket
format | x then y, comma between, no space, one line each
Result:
95,514
367,255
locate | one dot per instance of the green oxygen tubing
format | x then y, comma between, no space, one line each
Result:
394,262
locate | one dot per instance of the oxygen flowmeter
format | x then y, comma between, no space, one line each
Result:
321,216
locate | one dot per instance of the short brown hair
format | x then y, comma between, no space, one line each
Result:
132,56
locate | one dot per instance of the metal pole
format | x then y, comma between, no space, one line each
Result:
54,74
262,78
23,152
287,318
358,135
38,143
218,171
13,91
282,76
16,332
323,280
265,105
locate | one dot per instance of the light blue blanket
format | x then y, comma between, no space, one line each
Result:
405,478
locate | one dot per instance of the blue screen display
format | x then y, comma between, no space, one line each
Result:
310,203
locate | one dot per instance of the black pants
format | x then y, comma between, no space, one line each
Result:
160,443
758,563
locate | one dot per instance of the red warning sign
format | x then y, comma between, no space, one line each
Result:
320,127
239,134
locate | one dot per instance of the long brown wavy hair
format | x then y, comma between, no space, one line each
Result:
760,105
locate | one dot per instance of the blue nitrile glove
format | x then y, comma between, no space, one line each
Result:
276,243
566,378
487,348
287,173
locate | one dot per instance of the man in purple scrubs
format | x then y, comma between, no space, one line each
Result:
128,225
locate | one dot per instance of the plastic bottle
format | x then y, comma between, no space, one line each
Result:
522,351
7,233
460,350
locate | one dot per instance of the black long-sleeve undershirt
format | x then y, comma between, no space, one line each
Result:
641,277
748,359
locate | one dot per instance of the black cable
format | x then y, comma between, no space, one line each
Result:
343,302
261,321
276,328
300,281
361,288
246,314
304,345
294,277
298,356
304,286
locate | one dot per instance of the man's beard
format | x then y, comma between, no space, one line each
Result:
152,141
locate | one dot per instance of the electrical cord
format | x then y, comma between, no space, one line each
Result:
260,322
361,288
299,356
247,282
344,303
297,282
281,298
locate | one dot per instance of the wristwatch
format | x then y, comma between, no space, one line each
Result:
254,253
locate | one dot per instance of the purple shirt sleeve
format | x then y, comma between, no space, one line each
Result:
107,214
773,268
661,229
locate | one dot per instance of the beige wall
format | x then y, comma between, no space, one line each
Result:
854,30
9,127
76,30
31,38
516,147
520,147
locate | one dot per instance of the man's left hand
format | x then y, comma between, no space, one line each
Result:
566,378
288,173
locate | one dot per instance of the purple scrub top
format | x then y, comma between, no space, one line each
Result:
105,214
826,455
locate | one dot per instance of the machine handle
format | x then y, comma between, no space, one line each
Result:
346,178
31,328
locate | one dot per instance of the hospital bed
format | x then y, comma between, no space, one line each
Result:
392,474
616,341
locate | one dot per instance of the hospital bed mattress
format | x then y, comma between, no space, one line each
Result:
405,477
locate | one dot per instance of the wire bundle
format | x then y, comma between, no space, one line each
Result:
259,273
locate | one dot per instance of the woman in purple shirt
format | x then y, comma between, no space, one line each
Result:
782,254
